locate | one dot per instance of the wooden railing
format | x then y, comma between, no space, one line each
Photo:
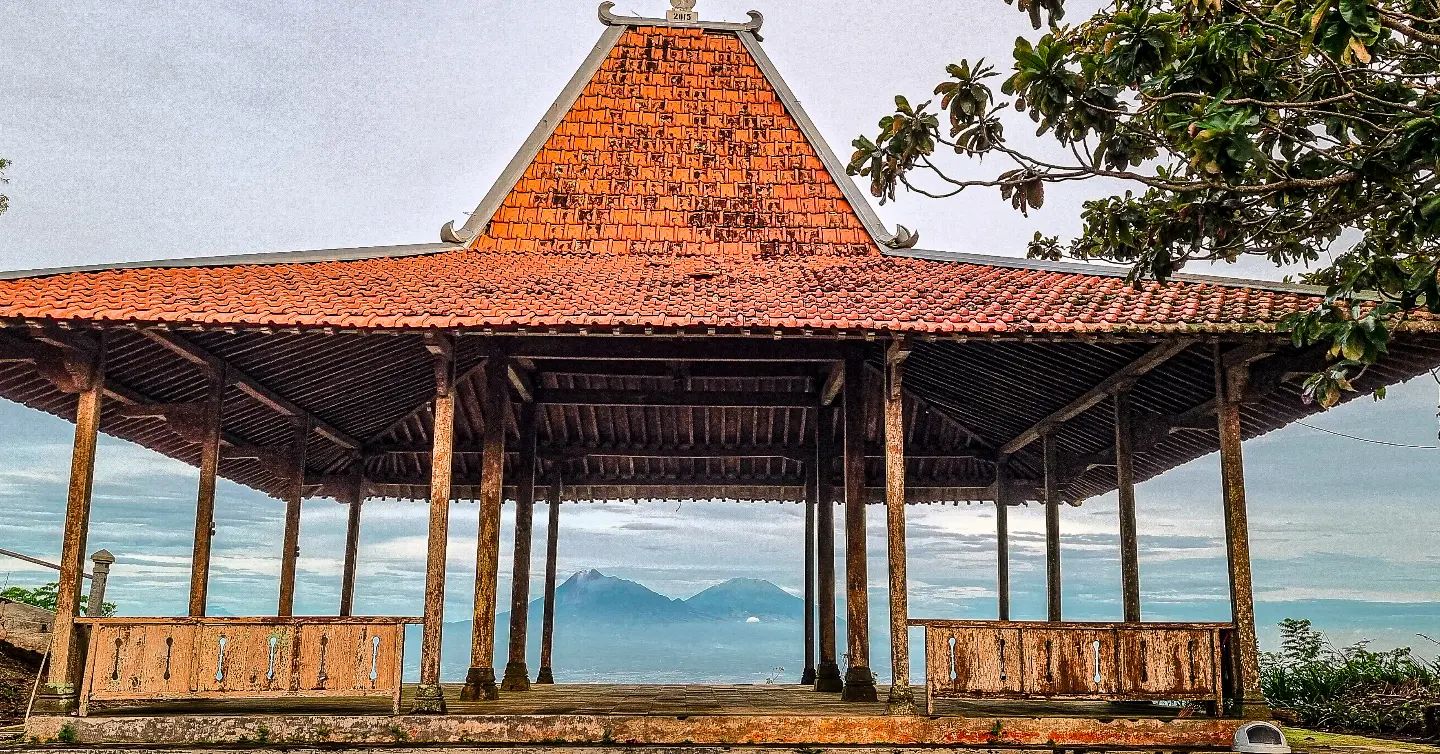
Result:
1038,660
142,659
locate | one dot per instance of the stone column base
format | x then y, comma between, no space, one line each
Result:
480,686
859,685
57,700
901,700
807,678
546,676
827,678
517,677
429,700
1252,708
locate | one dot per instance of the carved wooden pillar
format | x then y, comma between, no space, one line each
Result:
517,674
1002,540
807,675
901,700
1245,653
290,544
1052,527
552,550
1125,490
480,680
827,670
205,497
355,501
66,651
859,681
429,698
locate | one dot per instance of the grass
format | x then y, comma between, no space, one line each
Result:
1303,740
1348,689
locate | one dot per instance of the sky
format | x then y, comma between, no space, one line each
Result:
189,128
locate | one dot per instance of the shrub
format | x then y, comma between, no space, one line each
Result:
1353,689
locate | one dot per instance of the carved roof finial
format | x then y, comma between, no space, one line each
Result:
682,10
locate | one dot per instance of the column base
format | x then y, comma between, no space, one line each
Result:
429,700
1251,708
901,700
517,677
807,677
480,686
827,678
57,700
546,676
859,685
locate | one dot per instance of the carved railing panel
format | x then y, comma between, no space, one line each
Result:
139,659
1020,660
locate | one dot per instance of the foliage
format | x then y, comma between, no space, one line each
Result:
4,200
46,596
1301,131
1348,689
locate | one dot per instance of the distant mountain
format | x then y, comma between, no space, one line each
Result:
592,597
743,599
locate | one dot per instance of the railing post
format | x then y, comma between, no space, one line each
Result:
100,561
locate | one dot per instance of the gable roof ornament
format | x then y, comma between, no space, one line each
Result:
682,13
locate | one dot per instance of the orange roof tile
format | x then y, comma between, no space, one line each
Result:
677,192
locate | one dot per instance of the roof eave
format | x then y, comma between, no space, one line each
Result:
353,254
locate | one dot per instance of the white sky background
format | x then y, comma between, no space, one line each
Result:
187,129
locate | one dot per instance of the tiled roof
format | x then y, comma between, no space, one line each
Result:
677,192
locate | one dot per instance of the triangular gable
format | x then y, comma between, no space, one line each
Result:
679,143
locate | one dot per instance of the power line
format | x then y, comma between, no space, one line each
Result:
1369,440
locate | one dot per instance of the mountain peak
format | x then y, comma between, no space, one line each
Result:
747,598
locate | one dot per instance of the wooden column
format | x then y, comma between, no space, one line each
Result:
205,497
355,501
901,700
1052,528
1002,540
859,681
429,698
290,544
517,674
1125,490
1244,652
827,670
552,550
480,680
66,649
807,675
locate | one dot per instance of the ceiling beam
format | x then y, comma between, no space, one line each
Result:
1122,379
698,348
685,399
268,396
662,370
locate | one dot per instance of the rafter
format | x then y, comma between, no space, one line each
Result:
681,399
1120,380
266,395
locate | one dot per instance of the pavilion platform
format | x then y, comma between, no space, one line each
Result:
644,715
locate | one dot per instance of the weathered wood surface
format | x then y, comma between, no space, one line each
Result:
1117,661
1230,388
239,658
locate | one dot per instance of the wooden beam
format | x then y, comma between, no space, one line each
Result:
65,366
859,683
552,550
686,399
430,697
480,679
294,497
1002,541
834,383
807,567
901,700
1053,588
1125,491
199,356
799,452
210,431
520,382
517,672
354,502
610,348
665,370
827,670
1120,380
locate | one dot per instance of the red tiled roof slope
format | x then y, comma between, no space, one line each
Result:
677,192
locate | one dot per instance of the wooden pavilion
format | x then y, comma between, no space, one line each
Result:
672,292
